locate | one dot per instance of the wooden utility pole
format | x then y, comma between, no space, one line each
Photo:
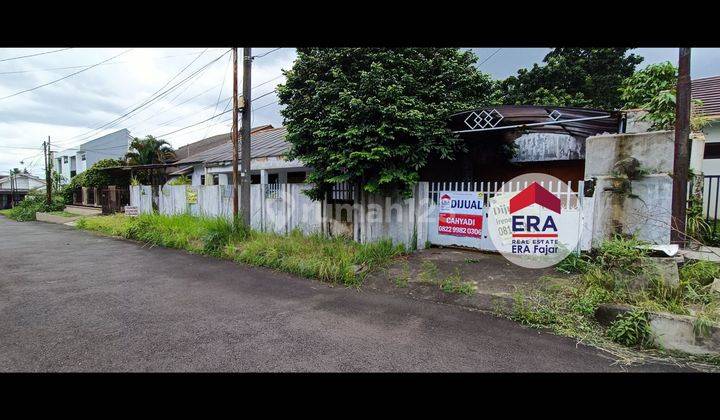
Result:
245,194
682,139
48,170
234,136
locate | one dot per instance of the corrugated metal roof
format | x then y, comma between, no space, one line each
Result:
707,90
199,146
264,143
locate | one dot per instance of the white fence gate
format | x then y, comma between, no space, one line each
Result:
578,210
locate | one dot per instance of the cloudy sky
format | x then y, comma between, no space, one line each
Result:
170,92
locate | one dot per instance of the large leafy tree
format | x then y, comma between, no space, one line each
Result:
583,77
375,116
148,151
653,89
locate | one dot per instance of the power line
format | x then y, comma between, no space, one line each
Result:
491,56
88,65
222,85
64,77
33,55
154,97
263,55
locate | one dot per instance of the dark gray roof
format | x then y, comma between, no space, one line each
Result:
707,90
190,149
264,143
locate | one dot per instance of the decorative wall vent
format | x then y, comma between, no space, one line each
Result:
483,119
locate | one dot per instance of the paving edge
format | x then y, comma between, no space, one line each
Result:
670,331
51,218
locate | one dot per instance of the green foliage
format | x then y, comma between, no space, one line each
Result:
34,202
375,116
582,77
428,272
181,180
94,177
148,151
334,260
646,84
653,89
404,278
573,264
455,284
700,272
631,329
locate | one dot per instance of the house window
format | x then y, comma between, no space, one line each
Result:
73,173
82,157
65,160
254,179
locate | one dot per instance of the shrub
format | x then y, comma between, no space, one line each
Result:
700,272
631,329
34,202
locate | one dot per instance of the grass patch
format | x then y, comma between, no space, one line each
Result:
62,213
334,260
404,278
567,307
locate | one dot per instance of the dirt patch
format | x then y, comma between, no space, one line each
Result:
492,278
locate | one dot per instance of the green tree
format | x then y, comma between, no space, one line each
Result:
653,90
647,84
374,116
582,77
148,151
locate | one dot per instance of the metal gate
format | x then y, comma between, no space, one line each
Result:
570,194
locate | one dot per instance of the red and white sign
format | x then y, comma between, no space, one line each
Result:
461,213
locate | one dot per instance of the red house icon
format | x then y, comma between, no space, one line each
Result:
535,194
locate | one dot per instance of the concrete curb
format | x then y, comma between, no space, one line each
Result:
51,218
670,331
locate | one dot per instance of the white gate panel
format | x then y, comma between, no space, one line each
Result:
575,213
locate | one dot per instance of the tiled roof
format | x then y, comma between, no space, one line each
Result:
708,91
263,143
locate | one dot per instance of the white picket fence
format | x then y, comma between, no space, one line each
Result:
278,208
412,221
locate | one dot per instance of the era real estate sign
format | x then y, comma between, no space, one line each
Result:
460,214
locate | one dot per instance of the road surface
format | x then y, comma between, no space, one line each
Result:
74,301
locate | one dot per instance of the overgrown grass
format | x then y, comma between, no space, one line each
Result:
609,275
335,260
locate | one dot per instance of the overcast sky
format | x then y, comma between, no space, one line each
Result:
73,110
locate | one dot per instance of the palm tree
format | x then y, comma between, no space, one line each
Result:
148,151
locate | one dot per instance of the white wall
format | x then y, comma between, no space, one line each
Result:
712,135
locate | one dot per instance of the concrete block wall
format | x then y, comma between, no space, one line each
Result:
644,209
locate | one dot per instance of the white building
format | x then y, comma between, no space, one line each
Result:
708,91
19,186
73,161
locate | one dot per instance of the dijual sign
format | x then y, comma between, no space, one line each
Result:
460,214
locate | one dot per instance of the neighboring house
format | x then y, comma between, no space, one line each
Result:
71,162
708,91
213,166
20,185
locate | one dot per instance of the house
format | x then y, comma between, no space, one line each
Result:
73,161
17,186
213,166
708,91
546,139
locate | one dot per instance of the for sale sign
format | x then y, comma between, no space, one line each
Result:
461,213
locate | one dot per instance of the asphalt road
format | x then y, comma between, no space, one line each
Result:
74,301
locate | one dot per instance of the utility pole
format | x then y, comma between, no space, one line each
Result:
245,194
12,189
682,138
48,168
234,136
